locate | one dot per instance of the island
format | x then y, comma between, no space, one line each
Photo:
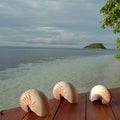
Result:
95,46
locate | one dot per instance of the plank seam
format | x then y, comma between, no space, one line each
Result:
1,113
86,97
58,108
24,117
113,112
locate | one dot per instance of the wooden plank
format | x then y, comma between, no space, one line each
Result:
97,111
115,103
83,110
68,111
12,114
54,105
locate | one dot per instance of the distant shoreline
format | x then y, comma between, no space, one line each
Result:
52,47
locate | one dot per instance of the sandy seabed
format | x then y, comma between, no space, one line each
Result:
82,72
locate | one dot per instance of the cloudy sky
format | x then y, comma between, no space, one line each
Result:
66,23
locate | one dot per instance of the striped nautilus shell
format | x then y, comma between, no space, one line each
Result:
65,90
100,92
36,101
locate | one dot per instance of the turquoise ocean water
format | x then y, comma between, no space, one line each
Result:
41,68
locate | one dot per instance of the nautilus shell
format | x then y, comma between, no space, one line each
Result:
100,92
36,101
65,90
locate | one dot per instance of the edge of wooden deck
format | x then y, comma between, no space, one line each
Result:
62,110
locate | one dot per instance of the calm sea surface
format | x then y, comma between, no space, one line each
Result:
41,68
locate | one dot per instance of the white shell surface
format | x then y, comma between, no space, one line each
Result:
36,101
100,92
65,90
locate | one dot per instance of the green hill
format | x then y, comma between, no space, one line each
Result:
95,46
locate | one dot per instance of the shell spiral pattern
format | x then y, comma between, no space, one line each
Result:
100,92
36,101
65,90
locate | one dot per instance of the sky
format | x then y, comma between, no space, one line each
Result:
54,23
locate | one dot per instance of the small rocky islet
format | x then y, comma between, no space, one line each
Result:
95,46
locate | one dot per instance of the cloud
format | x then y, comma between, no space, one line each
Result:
52,22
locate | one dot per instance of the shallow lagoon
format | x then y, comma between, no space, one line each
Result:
82,71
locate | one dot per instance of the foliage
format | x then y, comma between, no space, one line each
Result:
118,43
111,13
96,46
111,18
117,56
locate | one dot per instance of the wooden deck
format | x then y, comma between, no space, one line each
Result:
62,110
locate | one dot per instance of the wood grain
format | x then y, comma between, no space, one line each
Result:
12,114
68,111
63,110
98,111
54,105
115,103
